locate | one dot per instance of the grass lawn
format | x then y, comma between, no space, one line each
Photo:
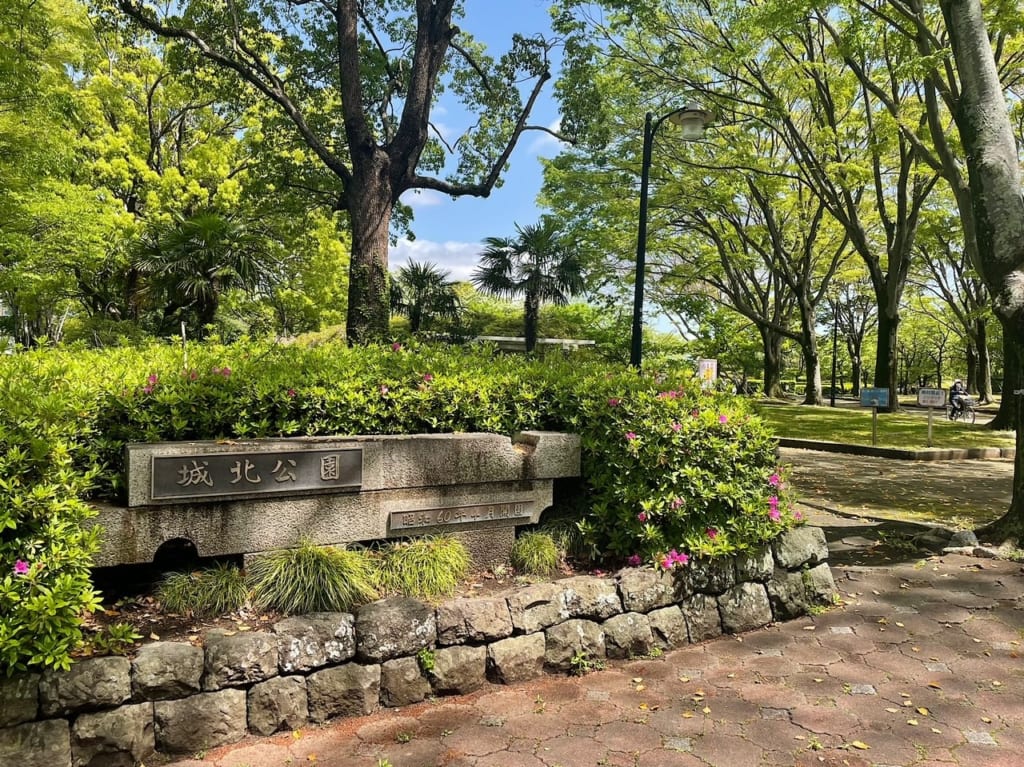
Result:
908,430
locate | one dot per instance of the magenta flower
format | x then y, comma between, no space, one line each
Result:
396,347
630,435
642,516
225,371
20,567
723,418
676,426
674,558
634,561
667,563
712,533
681,559
774,480
613,401
290,392
668,395
428,377
695,412
147,389
774,514
797,515
677,503
152,379
774,501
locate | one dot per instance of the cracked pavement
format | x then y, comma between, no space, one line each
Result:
919,667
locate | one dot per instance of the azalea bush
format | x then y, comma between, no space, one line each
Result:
669,470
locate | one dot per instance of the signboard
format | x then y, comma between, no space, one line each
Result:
931,397
874,397
458,515
707,371
219,475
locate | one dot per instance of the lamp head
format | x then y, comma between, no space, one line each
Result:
692,120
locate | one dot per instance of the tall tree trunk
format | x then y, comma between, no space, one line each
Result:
1013,379
531,317
855,369
994,174
885,358
984,361
972,368
812,361
369,220
771,344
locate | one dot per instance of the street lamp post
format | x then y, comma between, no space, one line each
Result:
693,120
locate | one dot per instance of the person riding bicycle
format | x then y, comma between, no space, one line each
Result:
957,392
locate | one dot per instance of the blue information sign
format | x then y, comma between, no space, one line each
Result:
874,398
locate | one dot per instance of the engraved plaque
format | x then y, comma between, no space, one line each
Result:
202,475
458,515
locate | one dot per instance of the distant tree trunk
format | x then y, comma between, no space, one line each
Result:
812,360
531,318
994,174
1012,381
885,359
771,343
972,368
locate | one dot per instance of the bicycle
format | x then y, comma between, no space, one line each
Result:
966,411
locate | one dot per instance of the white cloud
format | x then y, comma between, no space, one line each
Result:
545,143
424,198
457,258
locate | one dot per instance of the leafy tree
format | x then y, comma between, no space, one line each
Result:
192,260
422,292
536,265
994,175
358,82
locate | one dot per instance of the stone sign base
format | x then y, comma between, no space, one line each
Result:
231,499
180,699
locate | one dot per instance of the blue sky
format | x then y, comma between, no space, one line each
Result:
448,232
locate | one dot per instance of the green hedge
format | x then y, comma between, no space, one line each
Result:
667,468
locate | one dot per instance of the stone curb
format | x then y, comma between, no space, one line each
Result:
928,454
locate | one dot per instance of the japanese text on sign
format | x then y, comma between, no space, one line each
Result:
210,475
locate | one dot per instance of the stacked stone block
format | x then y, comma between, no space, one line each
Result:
181,699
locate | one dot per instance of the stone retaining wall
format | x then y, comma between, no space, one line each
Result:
180,699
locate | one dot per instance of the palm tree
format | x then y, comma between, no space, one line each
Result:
192,259
422,292
535,265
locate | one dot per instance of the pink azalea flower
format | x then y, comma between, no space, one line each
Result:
723,418
396,347
225,371
642,516
712,533
667,563
695,412
676,426
428,377
290,392
634,561
774,479
152,379
774,501
630,435
613,401
677,503
668,395
20,567
775,515
147,389
680,558
797,515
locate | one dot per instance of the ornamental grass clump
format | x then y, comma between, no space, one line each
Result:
214,591
535,553
311,579
427,568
